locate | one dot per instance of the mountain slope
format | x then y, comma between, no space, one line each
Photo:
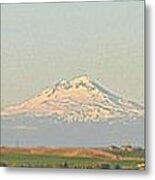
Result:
80,99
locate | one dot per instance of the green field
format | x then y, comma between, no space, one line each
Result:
19,159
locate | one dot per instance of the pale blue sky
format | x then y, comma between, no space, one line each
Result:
42,43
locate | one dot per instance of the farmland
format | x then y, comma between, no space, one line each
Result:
81,158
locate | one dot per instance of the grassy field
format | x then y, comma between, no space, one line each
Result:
84,158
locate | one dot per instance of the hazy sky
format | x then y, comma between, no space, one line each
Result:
42,43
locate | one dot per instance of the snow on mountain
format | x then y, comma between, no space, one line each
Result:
80,99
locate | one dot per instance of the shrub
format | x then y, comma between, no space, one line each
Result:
3,164
117,166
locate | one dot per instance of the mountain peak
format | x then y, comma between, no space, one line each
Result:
84,79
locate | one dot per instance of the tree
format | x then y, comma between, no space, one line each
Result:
65,165
117,166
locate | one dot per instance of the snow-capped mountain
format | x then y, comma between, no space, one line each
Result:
80,99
